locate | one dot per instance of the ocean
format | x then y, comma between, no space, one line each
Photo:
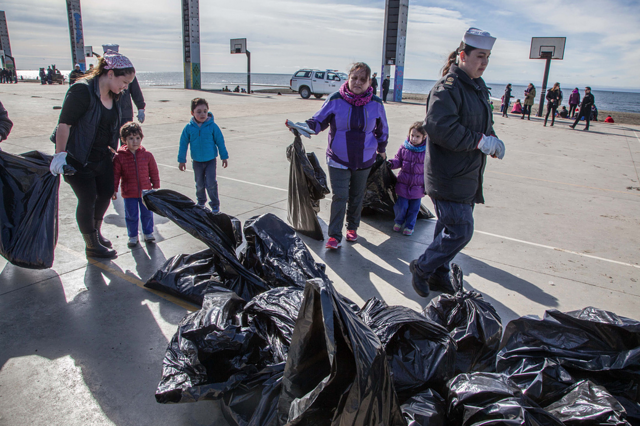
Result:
607,100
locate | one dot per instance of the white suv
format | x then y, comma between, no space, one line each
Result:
309,82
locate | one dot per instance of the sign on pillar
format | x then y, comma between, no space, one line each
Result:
394,43
76,34
191,43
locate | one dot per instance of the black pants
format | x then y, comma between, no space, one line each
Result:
587,118
526,110
385,92
93,186
572,110
551,107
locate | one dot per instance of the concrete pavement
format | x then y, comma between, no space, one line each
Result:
83,342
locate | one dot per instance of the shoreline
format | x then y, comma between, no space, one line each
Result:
619,117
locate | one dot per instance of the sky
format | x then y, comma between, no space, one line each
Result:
602,48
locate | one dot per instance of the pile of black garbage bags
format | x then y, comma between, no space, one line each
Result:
276,344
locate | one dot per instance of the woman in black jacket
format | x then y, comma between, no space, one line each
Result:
460,127
86,136
553,96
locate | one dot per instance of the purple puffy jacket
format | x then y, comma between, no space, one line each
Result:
410,183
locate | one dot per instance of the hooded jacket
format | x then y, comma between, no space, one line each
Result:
458,115
205,140
356,132
574,98
138,172
410,183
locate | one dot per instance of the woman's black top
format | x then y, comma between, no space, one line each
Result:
76,105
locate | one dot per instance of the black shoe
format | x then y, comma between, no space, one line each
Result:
438,283
95,249
573,127
420,285
103,240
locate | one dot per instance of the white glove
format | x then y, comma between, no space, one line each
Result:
141,116
302,128
492,146
57,163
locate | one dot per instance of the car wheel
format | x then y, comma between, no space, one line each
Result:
305,92
318,95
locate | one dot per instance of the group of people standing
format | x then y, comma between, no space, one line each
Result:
578,108
443,156
8,76
385,86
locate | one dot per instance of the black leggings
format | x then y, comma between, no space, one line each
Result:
551,107
93,185
526,110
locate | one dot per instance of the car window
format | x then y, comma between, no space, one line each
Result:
332,76
343,76
320,75
306,74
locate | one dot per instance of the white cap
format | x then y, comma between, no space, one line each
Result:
114,47
78,65
479,39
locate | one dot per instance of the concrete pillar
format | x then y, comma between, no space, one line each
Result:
191,43
394,43
5,44
76,34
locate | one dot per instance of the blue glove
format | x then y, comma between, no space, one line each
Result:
57,163
492,146
141,116
302,128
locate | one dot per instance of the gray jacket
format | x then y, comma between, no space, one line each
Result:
458,114
132,92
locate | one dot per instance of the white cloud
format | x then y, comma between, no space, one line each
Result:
602,37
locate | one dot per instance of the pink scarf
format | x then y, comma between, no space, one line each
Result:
352,98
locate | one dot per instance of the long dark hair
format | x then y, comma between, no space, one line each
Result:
99,71
453,56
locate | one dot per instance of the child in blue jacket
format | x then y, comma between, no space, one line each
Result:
206,140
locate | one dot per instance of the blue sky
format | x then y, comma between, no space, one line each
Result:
603,37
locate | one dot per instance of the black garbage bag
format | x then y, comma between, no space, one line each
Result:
421,353
29,216
493,399
216,230
587,404
273,314
307,185
254,402
277,254
211,353
589,344
336,372
380,195
427,408
188,277
474,325
237,230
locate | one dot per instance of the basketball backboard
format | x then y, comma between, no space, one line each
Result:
238,45
547,47
88,51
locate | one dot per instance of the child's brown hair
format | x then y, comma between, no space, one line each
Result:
198,101
129,129
419,126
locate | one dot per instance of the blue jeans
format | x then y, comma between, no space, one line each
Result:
131,217
206,183
453,232
406,211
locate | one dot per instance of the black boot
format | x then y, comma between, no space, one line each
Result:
103,240
95,249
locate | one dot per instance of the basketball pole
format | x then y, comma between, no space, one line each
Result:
248,72
544,82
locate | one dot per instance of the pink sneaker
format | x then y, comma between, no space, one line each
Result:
333,244
407,231
396,227
352,236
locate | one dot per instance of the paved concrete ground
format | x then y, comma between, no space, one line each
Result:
82,343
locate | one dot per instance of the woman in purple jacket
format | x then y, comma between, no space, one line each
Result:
410,185
357,131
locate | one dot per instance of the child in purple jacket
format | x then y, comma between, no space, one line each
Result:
410,185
